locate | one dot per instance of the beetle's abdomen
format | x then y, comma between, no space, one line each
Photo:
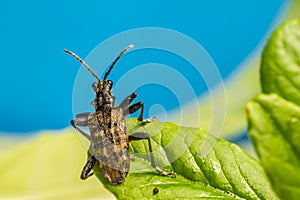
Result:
111,150
115,174
114,161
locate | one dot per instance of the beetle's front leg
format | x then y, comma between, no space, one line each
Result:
133,108
140,105
127,101
81,120
145,136
85,173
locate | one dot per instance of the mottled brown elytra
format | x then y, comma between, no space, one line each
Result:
108,137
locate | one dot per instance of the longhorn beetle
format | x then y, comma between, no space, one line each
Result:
108,137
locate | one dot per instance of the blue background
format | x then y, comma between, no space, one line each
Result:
36,78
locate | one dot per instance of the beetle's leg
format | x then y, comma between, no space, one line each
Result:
133,108
142,136
85,173
81,120
127,101
139,105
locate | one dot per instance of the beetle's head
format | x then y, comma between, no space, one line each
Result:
103,89
102,85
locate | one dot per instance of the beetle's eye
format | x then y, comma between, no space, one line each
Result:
94,85
110,83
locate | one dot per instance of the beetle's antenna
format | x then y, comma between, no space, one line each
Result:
115,61
82,62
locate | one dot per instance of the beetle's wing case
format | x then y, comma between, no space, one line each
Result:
111,146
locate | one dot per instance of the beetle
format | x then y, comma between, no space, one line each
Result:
108,136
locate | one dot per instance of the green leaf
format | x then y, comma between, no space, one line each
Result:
225,172
274,127
280,67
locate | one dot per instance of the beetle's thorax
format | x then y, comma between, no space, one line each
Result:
104,99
